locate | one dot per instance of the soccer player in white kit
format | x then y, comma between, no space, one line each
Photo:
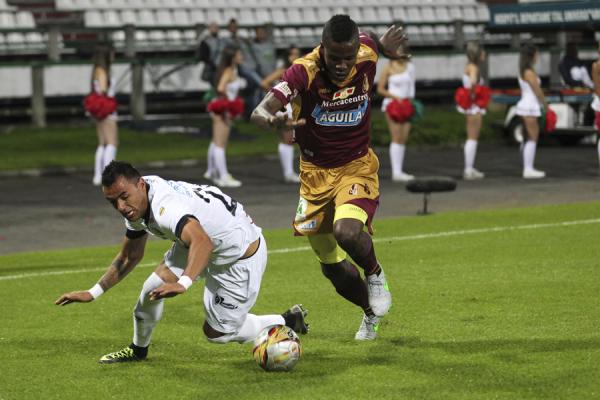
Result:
212,237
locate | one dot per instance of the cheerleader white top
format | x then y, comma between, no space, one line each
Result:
528,105
401,85
233,88
474,109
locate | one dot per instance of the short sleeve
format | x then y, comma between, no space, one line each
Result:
294,81
169,215
367,40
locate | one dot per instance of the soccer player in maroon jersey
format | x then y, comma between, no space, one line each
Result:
331,91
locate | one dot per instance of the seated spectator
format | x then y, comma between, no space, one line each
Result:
573,70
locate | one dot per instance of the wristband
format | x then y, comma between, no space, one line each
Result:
185,281
96,291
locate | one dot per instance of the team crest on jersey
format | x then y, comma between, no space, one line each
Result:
343,93
365,83
161,211
341,117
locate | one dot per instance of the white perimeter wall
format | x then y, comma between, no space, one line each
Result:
15,82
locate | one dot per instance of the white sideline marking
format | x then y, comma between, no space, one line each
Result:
492,229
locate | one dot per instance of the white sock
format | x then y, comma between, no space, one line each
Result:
397,157
286,156
98,162
110,153
250,329
220,161
529,154
210,159
470,152
599,150
147,313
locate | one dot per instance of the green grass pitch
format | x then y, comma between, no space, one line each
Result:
487,305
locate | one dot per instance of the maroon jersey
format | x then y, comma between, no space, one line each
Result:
338,115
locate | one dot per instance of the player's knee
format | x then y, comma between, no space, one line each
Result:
346,235
326,248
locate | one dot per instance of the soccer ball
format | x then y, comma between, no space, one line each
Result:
277,348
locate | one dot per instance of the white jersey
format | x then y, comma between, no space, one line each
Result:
401,85
528,105
223,219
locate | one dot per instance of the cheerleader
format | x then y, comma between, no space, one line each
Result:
473,109
103,106
529,108
399,78
286,142
596,101
227,106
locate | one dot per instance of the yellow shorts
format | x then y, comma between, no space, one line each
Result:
322,190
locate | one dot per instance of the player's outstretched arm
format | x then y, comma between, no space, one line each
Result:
200,248
391,43
130,255
264,115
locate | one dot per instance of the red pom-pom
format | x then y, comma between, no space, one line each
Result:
236,107
233,108
550,120
482,96
99,106
597,121
400,110
218,105
462,97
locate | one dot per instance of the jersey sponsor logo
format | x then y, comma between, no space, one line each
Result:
341,102
301,209
284,88
221,301
365,87
343,93
309,225
340,118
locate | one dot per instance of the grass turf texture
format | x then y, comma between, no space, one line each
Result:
504,314
72,146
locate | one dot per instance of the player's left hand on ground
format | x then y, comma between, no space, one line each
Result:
392,41
74,297
167,290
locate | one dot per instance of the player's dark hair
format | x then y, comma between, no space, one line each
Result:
340,29
526,57
116,169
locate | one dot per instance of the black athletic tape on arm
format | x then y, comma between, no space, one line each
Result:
184,220
130,234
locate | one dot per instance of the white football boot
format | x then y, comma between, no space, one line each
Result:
380,298
368,328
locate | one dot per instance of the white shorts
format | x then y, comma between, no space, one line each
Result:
528,108
230,291
473,110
